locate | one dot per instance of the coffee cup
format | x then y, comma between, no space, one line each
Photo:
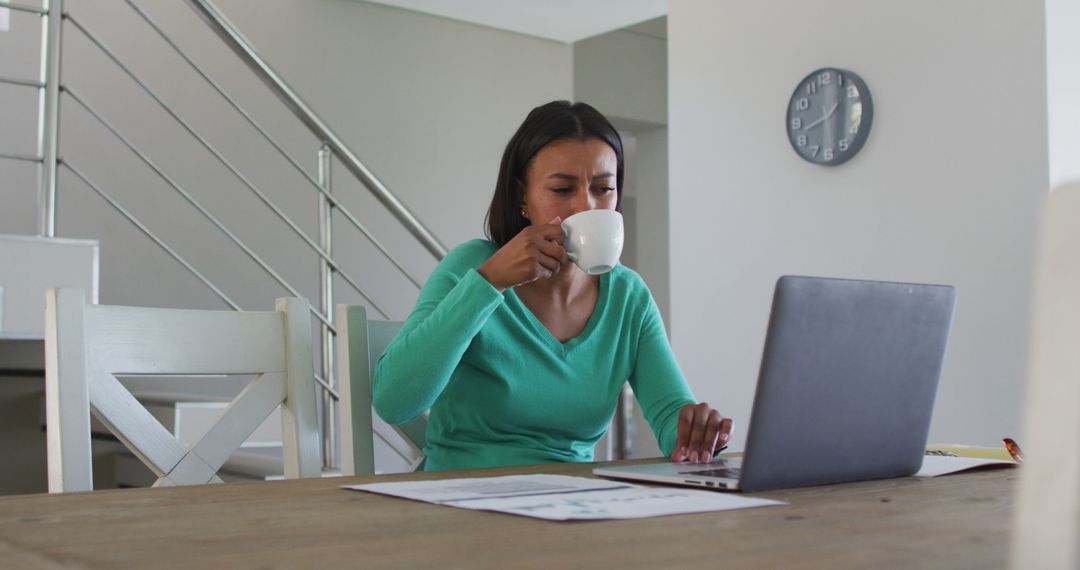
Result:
594,240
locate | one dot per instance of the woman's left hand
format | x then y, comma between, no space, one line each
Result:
702,430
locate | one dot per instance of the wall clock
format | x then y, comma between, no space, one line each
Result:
829,116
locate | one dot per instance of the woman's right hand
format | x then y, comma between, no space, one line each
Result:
535,253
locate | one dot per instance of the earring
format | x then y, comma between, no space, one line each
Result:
523,213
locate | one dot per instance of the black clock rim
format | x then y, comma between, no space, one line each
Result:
868,116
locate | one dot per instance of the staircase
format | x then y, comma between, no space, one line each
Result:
247,212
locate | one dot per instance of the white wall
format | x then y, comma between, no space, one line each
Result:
947,188
1063,90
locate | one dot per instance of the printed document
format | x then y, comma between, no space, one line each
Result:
561,497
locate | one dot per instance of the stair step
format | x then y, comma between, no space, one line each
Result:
189,421
167,389
33,264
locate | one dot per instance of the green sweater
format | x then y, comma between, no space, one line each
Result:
503,391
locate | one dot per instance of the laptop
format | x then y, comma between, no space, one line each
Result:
845,390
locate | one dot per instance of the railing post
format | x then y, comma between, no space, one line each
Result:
620,438
49,115
326,300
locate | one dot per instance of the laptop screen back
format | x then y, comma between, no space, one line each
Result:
847,382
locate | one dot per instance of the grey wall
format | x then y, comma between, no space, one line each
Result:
651,219
624,74
427,103
947,189
18,122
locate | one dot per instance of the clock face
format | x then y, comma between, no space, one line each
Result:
829,116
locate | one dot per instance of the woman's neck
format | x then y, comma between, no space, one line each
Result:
565,286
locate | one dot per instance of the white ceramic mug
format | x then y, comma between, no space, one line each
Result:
594,240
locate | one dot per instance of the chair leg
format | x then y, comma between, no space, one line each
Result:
67,395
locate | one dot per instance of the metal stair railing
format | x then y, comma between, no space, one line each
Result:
217,21
324,191
224,161
330,146
48,90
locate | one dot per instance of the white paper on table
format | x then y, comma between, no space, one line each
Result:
934,465
630,502
5,19
561,497
486,487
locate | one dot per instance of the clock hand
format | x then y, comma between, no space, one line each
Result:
828,113
828,125
815,123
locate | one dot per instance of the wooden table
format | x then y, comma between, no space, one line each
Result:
957,521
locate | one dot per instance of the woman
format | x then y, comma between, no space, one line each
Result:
519,353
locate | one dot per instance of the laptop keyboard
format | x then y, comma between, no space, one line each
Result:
723,472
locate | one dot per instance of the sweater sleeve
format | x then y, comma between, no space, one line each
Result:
453,306
658,383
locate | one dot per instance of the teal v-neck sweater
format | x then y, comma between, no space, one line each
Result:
503,391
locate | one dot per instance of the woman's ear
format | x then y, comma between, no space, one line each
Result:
521,196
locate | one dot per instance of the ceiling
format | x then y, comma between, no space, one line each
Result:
656,28
561,20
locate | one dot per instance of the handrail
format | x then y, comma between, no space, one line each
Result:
232,37
226,163
189,198
273,142
50,89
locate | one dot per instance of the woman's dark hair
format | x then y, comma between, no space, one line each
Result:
545,124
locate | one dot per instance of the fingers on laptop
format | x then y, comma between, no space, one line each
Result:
702,430
717,435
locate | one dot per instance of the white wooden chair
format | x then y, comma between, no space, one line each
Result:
1047,514
359,344
88,346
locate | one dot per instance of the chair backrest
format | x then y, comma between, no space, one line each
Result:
1047,514
360,343
88,346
